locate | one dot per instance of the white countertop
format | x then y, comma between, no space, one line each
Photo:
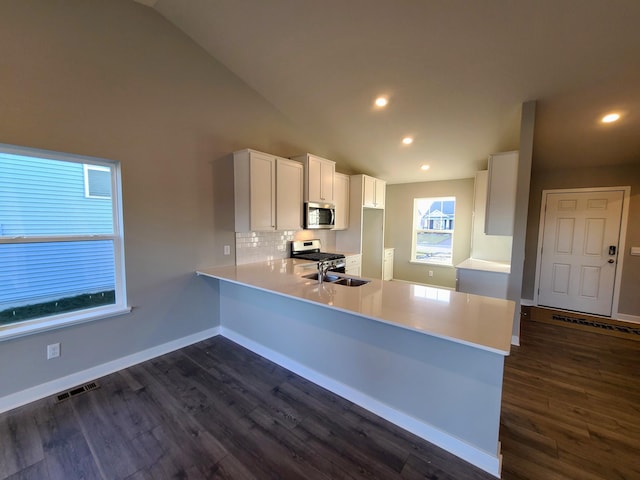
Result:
485,265
482,322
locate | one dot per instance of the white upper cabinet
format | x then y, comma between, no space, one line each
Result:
341,201
288,194
486,247
373,192
259,204
318,178
501,193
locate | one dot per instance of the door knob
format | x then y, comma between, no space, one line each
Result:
611,260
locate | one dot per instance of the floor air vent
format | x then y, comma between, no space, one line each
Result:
601,325
76,391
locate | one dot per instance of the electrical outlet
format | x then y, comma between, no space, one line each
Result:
227,250
53,351
431,273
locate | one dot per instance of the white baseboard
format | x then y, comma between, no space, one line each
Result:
627,318
32,394
424,284
527,302
515,340
473,455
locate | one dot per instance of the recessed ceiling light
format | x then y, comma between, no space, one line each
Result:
381,102
611,117
407,140
425,167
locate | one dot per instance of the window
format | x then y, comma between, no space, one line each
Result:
433,224
61,244
97,181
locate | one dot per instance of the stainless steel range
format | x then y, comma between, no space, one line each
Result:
310,250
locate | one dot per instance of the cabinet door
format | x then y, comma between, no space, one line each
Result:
327,179
501,193
262,172
314,182
380,190
373,192
341,201
478,282
353,265
318,178
387,269
288,195
369,191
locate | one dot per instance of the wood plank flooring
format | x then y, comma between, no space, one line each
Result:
571,406
571,410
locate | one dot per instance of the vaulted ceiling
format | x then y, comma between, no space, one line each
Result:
455,72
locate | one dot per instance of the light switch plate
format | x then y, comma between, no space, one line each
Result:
635,250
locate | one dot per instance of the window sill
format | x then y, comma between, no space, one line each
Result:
39,325
432,264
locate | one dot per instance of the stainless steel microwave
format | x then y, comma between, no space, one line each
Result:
319,215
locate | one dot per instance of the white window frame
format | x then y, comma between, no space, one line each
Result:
36,325
415,231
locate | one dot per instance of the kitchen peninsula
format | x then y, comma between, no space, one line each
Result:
429,360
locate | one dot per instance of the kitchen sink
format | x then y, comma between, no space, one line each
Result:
327,278
351,282
347,281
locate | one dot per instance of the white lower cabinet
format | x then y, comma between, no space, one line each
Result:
353,265
387,266
480,282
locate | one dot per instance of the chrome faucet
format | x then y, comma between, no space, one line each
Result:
323,267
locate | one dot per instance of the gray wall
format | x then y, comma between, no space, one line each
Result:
398,227
624,175
113,79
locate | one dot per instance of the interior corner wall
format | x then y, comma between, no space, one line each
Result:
525,158
114,79
399,227
612,176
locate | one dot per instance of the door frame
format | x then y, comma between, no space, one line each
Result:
621,245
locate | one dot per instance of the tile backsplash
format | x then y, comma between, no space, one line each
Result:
261,246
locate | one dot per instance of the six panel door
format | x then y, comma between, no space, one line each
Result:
579,250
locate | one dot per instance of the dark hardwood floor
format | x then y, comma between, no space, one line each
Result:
571,406
571,410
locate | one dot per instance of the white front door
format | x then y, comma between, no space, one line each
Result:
579,250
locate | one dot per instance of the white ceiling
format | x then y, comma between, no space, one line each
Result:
456,73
